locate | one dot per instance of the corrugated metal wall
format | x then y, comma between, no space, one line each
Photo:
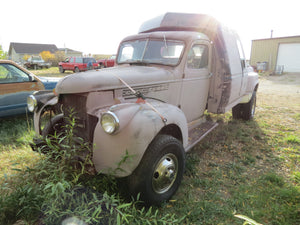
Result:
266,50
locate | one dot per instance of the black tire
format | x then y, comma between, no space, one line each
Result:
160,171
61,70
76,70
245,111
55,125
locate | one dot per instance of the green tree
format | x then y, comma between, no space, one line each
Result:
3,54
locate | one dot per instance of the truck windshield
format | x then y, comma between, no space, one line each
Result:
166,52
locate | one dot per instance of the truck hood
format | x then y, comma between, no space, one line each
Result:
107,79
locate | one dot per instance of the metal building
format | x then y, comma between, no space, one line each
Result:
278,55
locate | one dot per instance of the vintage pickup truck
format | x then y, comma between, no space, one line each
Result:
36,62
151,106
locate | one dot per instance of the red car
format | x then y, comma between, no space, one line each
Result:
103,63
77,64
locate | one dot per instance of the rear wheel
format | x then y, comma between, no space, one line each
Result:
245,111
160,171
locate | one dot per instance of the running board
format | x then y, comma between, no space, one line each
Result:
197,133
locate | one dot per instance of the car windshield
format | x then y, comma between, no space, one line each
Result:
166,52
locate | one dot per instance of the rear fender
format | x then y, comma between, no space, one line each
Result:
252,86
139,124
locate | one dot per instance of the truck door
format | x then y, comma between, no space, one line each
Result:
71,63
66,64
195,83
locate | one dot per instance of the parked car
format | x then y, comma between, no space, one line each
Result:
141,117
36,62
78,64
104,63
16,83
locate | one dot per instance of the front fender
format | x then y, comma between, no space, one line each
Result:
139,124
44,99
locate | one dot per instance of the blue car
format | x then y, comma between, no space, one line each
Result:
16,83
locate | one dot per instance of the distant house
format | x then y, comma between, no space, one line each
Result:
70,52
17,51
280,54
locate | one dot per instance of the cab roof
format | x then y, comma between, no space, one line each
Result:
181,22
224,39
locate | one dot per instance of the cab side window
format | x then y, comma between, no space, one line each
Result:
198,57
79,60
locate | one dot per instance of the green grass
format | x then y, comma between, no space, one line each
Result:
50,72
247,168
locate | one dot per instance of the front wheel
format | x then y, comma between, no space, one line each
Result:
53,129
160,171
54,126
61,70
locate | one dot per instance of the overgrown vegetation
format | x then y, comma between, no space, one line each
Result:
249,169
59,188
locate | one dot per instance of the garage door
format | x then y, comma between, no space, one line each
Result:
289,57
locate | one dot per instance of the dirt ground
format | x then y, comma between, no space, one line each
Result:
280,89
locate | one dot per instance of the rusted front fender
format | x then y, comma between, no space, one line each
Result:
44,100
121,152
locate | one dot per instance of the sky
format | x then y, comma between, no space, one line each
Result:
97,26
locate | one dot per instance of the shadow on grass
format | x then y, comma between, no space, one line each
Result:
235,170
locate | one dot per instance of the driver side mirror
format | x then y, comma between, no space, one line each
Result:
32,79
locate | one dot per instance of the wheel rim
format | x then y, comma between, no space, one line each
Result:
165,173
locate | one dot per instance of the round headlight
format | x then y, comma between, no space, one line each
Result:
31,103
109,122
